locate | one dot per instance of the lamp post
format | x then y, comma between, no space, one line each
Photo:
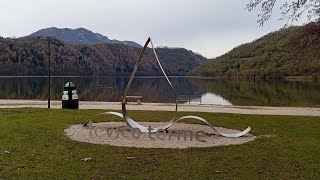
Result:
49,72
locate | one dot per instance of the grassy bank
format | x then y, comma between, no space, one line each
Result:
33,145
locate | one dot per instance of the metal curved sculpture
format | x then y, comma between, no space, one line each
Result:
133,124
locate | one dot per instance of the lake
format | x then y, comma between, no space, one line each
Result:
157,90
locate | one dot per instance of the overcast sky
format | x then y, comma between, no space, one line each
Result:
209,27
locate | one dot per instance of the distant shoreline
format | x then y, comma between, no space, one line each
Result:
197,77
173,76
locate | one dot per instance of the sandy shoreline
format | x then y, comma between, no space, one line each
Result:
263,110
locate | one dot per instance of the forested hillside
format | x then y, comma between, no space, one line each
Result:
294,51
29,56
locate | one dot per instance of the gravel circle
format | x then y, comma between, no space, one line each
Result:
118,134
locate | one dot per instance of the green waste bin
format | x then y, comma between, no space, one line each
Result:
70,97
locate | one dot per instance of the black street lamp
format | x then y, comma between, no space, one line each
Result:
49,72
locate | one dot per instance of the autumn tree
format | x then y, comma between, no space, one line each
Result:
290,10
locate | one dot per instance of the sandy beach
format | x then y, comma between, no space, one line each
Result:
263,110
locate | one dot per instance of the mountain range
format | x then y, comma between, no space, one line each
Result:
79,36
288,52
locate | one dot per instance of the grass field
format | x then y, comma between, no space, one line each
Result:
33,146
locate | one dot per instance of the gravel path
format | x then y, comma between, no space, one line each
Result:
296,111
109,133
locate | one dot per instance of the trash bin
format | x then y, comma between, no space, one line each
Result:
70,96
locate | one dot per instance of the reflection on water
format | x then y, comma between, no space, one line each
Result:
206,98
156,89
211,98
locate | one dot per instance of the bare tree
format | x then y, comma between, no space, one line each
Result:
291,11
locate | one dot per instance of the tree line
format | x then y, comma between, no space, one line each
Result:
293,51
29,56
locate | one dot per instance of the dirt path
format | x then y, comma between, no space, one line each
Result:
296,111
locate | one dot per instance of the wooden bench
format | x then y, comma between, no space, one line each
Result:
188,98
137,98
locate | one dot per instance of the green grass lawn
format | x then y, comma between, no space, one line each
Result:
39,149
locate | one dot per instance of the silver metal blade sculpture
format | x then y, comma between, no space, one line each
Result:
133,124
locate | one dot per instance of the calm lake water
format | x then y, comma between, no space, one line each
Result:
156,89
